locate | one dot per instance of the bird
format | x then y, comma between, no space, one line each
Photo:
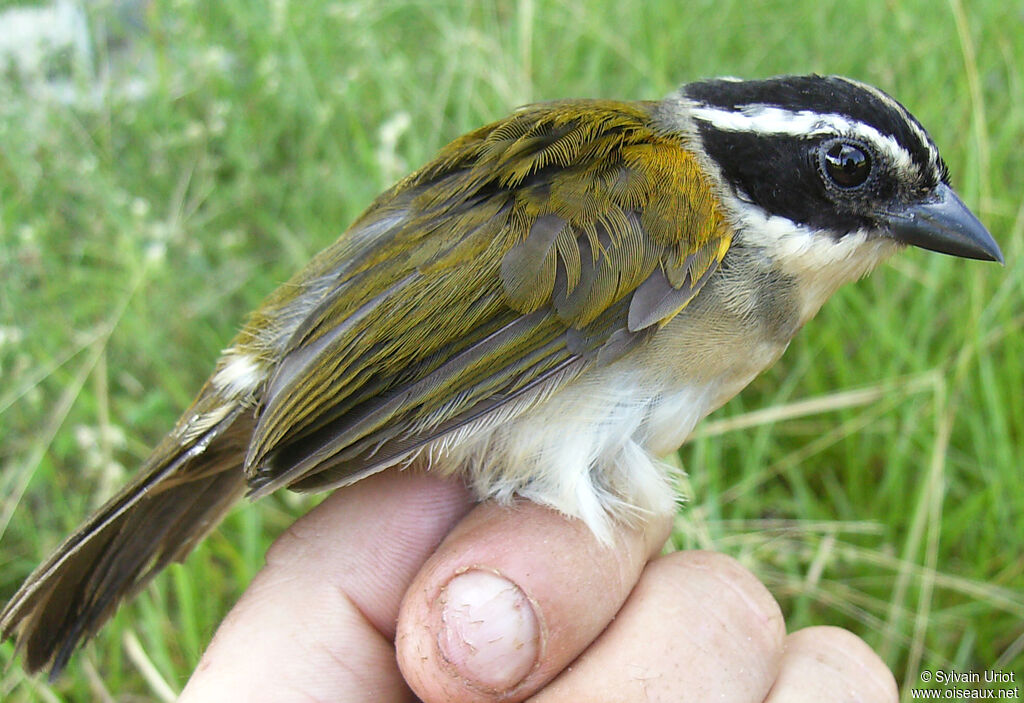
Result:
544,309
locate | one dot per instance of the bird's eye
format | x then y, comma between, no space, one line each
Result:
847,165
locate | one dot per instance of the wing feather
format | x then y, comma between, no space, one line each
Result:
525,253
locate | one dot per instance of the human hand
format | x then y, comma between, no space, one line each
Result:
485,603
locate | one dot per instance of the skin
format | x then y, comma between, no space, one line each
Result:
400,584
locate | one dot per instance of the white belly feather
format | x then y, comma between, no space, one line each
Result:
592,451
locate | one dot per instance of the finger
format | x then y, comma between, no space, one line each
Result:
510,598
829,663
698,627
317,622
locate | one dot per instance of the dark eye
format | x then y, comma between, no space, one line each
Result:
846,165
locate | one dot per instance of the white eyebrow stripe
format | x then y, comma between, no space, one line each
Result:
915,127
776,121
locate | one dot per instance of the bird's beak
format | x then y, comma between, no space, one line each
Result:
944,224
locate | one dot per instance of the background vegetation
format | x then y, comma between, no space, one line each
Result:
156,186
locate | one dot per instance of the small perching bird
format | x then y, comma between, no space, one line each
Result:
544,309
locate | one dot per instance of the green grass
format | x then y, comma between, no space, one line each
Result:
135,234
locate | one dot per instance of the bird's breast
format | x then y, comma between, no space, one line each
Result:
738,326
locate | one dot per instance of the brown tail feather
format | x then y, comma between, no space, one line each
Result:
179,496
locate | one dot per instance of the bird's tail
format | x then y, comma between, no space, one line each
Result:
181,493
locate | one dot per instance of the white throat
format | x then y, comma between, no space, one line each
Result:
819,261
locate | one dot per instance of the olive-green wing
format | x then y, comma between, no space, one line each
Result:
526,252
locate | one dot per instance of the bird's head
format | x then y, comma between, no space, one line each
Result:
826,173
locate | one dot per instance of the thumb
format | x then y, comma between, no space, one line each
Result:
510,598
